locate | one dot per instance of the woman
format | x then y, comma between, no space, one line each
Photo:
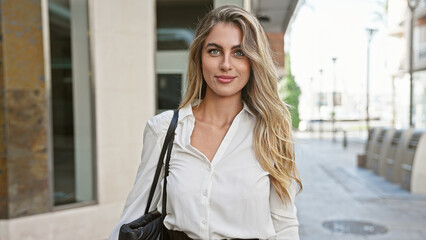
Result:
232,170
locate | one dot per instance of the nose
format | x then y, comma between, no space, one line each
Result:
225,64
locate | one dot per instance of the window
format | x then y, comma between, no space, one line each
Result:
71,104
169,90
419,99
176,23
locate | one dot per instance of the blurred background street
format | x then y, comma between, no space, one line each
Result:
80,78
342,201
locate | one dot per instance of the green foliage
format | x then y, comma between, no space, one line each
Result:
290,92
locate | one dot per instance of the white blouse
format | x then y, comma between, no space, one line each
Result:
229,197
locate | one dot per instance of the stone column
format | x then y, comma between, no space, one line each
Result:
23,128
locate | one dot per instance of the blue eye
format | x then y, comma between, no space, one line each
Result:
239,53
214,51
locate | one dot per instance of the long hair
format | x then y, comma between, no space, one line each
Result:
273,142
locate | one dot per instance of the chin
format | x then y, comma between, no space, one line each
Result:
227,93
224,91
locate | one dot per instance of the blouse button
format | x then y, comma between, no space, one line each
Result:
205,193
204,222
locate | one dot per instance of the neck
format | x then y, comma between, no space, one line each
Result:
218,110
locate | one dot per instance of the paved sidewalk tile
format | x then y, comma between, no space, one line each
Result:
336,190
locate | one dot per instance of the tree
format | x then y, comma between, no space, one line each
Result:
290,92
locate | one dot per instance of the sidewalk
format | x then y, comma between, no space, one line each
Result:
354,203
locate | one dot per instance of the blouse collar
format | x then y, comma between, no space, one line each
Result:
187,110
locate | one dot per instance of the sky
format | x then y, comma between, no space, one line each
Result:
324,29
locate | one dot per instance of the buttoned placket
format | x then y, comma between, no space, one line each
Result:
207,185
205,199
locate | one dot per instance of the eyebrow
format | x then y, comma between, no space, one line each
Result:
220,47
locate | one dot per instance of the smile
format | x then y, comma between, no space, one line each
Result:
225,78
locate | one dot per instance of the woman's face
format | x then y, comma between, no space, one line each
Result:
226,69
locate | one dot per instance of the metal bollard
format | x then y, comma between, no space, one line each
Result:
345,141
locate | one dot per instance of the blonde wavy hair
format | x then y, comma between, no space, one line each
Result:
272,132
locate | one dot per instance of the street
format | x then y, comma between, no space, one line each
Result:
341,201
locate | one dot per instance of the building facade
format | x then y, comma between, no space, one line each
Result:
78,83
399,17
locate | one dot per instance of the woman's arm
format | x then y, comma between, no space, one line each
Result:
138,196
284,216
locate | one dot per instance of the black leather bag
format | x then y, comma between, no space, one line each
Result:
150,225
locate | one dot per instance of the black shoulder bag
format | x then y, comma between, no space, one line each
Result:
150,225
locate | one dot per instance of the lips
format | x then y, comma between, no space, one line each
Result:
225,78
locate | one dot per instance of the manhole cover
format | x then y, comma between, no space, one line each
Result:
354,227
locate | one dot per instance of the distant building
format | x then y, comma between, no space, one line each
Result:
399,27
78,81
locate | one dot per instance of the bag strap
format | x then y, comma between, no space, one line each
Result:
166,173
167,146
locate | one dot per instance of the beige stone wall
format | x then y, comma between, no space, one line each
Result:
123,50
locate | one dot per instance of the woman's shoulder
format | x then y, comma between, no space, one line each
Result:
160,122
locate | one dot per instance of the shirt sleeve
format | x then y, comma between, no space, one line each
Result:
284,215
138,196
